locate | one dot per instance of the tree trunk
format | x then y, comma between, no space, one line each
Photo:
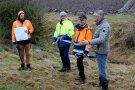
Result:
129,4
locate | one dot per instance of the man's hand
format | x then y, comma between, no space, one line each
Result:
54,43
84,42
27,31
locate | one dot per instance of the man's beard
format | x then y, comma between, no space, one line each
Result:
21,20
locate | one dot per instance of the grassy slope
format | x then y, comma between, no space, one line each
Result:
45,75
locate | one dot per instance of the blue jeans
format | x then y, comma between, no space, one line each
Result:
64,54
102,61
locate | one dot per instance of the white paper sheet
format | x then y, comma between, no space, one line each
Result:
20,33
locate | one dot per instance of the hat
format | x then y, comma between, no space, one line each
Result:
82,16
20,12
99,13
63,14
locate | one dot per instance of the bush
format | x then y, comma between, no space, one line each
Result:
8,14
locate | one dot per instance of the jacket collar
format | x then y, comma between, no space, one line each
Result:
100,22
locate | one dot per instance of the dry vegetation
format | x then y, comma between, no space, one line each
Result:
122,40
45,75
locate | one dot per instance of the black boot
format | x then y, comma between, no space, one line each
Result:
63,70
105,86
77,78
22,67
28,67
82,75
68,69
80,81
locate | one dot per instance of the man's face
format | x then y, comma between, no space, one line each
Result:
22,16
82,21
96,18
63,17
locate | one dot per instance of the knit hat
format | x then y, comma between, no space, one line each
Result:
63,14
20,12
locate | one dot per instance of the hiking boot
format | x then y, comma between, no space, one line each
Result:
80,81
28,68
77,78
63,70
96,85
105,86
68,70
22,67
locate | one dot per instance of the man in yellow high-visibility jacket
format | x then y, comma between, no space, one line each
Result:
63,36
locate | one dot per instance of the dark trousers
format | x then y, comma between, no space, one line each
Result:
81,67
64,54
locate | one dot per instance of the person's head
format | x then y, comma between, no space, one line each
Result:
98,15
21,16
82,19
63,15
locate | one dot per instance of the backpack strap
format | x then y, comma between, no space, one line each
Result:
16,24
27,23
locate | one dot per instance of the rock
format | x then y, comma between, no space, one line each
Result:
132,10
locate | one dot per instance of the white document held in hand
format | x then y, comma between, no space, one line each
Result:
20,33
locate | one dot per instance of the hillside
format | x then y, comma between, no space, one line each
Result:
76,6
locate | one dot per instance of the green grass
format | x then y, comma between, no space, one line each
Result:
12,87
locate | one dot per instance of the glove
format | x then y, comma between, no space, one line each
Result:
54,39
86,53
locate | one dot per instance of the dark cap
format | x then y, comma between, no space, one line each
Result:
82,16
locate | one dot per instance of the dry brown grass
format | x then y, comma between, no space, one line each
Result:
123,42
45,75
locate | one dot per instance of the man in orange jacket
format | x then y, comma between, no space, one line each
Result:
83,32
22,44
